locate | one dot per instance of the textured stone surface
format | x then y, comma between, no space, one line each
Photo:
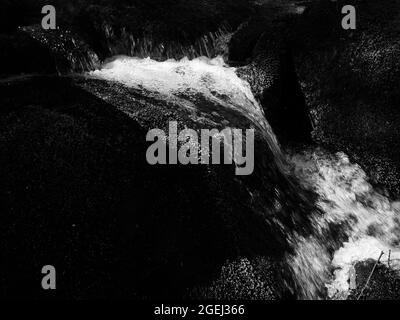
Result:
88,202
351,83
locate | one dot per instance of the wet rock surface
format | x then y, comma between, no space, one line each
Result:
22,54
160,29
68,51
350,80
351,83
80,143
83,202
261,47
92,31
383,284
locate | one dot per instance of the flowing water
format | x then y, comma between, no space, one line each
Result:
351,223
365,222
182,82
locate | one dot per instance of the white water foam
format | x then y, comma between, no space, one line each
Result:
369,220
182,81
210,77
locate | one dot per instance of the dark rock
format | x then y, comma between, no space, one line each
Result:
21,54
268,17
243,41
34,50
351,83
69,52
245,280
19,13
89,204
384,283
274,82
270,70
158,28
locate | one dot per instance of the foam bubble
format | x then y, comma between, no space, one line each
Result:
367,220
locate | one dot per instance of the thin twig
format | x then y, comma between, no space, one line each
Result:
390,252
370,276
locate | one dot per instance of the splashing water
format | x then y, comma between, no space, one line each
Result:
352,222
172,79
182,81
365,221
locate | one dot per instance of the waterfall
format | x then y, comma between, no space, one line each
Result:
185,79
357,223
351,222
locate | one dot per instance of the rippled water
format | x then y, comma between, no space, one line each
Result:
351,223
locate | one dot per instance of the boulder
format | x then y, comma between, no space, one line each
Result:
22,54
262,48
114,226
383,284
350,80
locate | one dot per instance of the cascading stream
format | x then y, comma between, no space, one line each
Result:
182,80
351,220
367,223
